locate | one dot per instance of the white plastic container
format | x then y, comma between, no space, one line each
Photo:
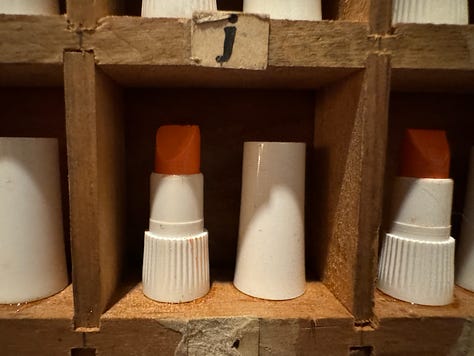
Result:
270,255
465,252
417,257
29,7
32,252
309,10
176,258
431,11
176,8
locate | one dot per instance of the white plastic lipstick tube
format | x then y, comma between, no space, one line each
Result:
270,255
29,7
32,253
176,8
176,258
417,256
431,11
465,252
309,10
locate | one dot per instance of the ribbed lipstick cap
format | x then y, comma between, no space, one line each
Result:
178,150
425,154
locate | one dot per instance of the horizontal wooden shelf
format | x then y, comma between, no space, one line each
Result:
224,300
226,320
426,46
42,327
58,306
154,41
404,328
31,49
387,307
35,39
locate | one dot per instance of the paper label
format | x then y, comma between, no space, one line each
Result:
230,40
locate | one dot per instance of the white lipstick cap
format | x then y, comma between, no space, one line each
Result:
270,255
176,8
309,10
453,12
32,252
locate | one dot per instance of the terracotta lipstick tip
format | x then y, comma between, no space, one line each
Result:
178,149
425,154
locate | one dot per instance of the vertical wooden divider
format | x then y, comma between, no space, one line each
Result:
350,144
94,129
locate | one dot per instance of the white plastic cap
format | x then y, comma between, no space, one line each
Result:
270,254
29,7
431,11
176,8
417,257
176,257
32,253
465,252
309,10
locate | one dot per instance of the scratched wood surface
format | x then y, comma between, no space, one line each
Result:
95,160
168,42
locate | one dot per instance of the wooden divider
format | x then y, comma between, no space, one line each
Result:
95,160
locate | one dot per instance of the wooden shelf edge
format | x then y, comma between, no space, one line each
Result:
427,46
123,40
28,39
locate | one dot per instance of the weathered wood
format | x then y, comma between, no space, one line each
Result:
224,300
224,322
34,39
374,141
151,41
441,47
95,151
407,329
43,327
348,10
349,171
84,14
380,17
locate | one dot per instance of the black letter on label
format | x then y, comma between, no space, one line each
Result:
228,40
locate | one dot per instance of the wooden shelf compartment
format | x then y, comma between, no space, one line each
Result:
447,111
227,118
404,328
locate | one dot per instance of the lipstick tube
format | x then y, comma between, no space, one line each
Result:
453,12
29,7
465,252
176,8
32,252
309,10
417,257
176,258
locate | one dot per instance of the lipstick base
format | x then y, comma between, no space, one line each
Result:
420,272
176,270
